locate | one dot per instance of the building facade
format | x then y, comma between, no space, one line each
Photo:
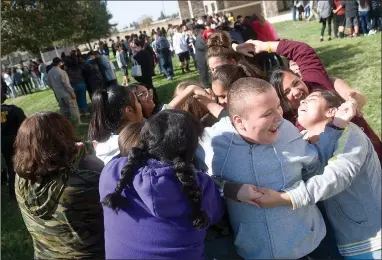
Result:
191,9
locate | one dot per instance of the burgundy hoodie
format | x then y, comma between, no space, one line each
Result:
314,75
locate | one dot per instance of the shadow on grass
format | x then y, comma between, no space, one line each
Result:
339,59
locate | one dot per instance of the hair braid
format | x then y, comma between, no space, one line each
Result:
186,176
137,158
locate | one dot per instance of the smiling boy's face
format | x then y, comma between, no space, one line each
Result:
263,115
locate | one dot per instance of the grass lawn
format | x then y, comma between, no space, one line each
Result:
357,61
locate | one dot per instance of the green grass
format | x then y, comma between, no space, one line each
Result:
357,61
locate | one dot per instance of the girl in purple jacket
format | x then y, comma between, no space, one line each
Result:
156,205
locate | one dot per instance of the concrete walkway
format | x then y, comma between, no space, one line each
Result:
281,18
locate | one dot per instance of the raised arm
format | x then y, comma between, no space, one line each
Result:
338,175
311,68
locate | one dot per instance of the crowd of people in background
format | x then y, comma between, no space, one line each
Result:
185,180
359,17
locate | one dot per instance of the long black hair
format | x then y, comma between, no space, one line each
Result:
276,77
170,136
108,109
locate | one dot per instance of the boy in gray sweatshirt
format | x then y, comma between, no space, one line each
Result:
254,145
350,184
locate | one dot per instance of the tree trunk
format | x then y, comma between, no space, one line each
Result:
91,48
56,50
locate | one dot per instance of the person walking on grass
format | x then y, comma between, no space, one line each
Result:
181,49
9,82
352,17
77,81
26,77
162,47
35,75
326,8
364,7
339,19
59,81
43,73
121,57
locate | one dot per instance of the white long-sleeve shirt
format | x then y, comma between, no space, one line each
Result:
179,43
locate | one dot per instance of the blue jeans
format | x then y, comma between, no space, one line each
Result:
166,63
307,11
365,21
294,12
80,91
43,79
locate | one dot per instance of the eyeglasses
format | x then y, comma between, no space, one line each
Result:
145,94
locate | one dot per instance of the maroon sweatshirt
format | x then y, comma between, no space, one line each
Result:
314,75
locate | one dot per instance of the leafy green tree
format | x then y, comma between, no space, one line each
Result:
94,23
30,25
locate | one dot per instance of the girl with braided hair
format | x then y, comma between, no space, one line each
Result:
156,205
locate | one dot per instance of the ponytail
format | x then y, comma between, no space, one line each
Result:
115,200
99,129
186,176
108,110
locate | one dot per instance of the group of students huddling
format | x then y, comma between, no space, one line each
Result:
266,164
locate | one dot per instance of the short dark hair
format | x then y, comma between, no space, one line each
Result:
45,143
240,90
332,98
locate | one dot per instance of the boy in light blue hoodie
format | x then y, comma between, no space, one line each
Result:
256,146
350,184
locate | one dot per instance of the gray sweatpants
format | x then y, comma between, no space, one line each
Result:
69,108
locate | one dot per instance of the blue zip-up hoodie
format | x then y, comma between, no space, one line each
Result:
351,188
279,232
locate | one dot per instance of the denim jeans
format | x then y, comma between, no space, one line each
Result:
365,21
166,63
80,91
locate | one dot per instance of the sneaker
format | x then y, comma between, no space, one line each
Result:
329,39
169,78
321,39
372,32
188,70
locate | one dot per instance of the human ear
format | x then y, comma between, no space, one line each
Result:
238,122
331,112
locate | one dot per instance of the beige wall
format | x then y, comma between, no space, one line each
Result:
175,21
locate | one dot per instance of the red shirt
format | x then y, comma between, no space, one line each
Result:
336,4
207,33
265,32
314,75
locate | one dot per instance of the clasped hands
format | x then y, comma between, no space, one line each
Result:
262,197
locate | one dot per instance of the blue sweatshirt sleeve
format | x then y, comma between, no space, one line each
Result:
324,151
343,167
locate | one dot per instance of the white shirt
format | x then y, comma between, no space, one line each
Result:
107,150
179,43
8,79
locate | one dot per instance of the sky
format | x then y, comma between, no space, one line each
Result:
125,12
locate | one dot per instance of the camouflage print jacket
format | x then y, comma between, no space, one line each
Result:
63,214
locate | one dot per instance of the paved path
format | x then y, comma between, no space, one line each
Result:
281,18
